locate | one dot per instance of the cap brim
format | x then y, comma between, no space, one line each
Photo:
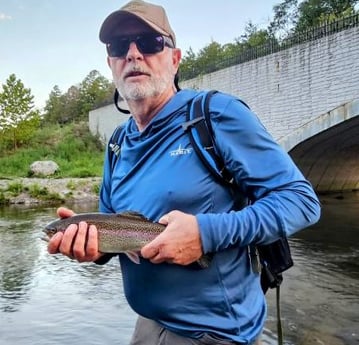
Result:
114,20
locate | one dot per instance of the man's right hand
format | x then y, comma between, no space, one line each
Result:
79,242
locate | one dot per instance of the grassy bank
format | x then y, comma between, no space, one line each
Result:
77,152
49,191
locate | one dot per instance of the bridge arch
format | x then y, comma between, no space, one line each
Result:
327,149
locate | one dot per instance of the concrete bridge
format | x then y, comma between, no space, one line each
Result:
308,98
327,149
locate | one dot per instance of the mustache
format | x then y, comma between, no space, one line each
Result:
135,70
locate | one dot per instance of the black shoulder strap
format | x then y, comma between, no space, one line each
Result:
115,101
198,117
114,146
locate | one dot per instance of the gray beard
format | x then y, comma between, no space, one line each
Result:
140,91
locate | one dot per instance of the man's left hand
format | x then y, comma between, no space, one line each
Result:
179,243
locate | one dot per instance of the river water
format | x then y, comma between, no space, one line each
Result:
51,300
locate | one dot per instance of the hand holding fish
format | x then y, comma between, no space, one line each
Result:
86,236
79,241
179,243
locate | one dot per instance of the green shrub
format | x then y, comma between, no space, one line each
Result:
15,188
38,192
77,152
96,188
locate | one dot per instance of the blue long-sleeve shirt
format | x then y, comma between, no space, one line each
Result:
158,171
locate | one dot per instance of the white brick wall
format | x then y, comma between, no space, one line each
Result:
292,87
103,121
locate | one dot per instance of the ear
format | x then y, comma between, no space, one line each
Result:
176,57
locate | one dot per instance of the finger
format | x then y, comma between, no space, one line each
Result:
150,250
78,248
157,259
164,219
68,240
92,243
64,212
54,243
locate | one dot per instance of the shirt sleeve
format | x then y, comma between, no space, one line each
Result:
282,200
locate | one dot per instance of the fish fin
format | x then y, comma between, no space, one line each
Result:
133,215
133,256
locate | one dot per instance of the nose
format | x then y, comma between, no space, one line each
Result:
133,52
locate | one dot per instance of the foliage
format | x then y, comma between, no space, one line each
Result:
15,188
253,36
96,188
188,63
77,152
3,199
18,119
75,104
292,16
312,13
34,190
54,106
285,17
94,91
216,56
38,192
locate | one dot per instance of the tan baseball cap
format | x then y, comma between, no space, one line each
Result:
153,15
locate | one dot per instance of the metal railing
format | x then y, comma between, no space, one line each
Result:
274,46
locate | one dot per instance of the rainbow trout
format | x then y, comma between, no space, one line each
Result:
117,233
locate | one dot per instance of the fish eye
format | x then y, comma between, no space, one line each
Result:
50,231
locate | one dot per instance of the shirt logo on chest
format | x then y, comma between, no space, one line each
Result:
180,151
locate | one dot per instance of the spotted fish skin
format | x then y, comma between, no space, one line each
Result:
124,232
117,233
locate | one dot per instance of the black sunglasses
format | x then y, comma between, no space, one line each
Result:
149,43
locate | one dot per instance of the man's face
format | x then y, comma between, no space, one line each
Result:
138,76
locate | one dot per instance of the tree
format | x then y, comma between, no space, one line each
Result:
312,13
18,118
188,67
54,108
292,16
75,104
209,57
254,37
284,19
95,90
71,107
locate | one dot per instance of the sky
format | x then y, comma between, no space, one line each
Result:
55,42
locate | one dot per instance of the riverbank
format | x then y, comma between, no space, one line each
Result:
28,191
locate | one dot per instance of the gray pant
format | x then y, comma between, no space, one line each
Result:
148,332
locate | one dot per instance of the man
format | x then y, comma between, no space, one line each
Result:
178,302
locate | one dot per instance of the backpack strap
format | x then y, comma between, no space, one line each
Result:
114,145
116,96
198,118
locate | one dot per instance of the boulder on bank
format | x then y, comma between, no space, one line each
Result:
43,168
